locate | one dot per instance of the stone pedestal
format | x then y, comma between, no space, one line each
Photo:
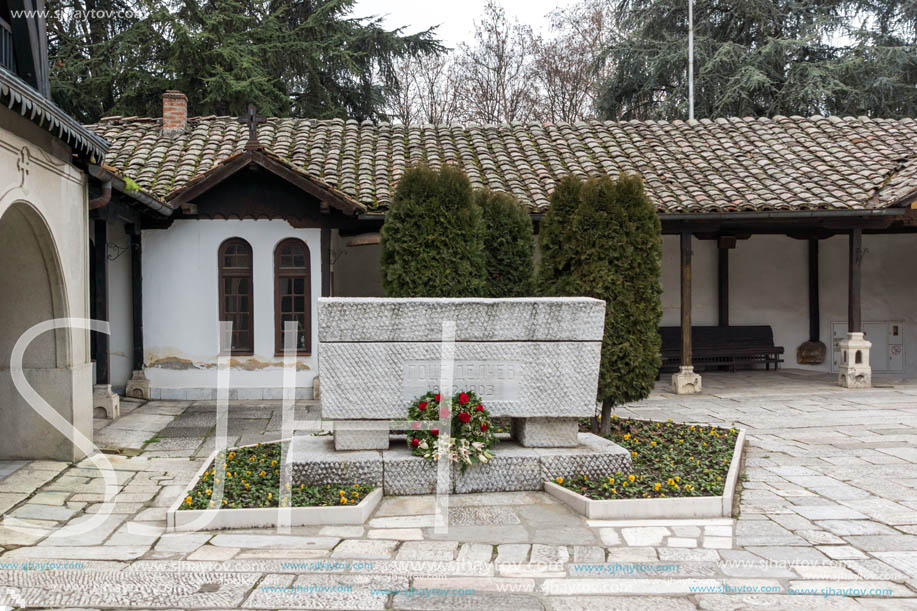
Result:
103,397
546,432
513,467
855,371
686,381
138,386
361,435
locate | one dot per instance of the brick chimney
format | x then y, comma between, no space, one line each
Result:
174,112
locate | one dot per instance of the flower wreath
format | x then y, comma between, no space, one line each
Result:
472,435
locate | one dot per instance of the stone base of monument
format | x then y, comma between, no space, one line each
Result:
546,432
513,468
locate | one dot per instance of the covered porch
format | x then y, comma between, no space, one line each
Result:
831,288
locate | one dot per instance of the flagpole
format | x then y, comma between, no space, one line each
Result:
690,60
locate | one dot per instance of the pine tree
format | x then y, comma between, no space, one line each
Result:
288,57
763,58
509,256
432,242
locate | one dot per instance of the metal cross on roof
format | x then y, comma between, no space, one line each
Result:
252,119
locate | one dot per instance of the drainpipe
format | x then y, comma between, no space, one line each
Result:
102,200
110,180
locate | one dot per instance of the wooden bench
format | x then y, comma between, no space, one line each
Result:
715,347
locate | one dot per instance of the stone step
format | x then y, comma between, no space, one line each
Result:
513,468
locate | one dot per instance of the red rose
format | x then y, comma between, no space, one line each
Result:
484,426
479,408
444,412
435,432
464,416
463,398
437,397
422,406
415,442
416,425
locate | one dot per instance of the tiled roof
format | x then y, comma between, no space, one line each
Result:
723,165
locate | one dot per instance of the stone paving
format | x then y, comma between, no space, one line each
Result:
829,502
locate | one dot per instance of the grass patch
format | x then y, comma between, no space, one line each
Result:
252,480
669,460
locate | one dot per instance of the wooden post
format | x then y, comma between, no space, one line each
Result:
854,321
685,299
723,290
137,296
100,297
326,262
814,312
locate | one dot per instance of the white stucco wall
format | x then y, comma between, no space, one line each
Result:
181,309
38,179
119,306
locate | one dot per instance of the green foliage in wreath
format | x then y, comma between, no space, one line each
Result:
471,432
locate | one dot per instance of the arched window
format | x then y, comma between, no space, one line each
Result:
292,294
236,294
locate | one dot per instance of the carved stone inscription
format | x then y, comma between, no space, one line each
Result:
492,380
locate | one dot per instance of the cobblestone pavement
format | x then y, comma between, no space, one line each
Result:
829,504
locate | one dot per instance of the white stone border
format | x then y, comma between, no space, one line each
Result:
668,508
177,520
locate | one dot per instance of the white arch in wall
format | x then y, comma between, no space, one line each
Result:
39,292
33,290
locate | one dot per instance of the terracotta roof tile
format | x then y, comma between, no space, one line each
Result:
722,165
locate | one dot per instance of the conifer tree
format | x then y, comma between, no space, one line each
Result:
288,57
432,242
510,245
556,239
763,58
612,250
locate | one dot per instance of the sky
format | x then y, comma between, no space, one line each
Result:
455,17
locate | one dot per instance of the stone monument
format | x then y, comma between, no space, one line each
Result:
535,360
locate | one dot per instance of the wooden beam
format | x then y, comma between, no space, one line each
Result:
137,296
814,311
100,298
723,246
854,314
685,299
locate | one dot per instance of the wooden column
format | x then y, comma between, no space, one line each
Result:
326,262
723,245
685,299
100,297
137,296
814,312
854,320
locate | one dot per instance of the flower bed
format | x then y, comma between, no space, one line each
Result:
253,480
253,498
671,462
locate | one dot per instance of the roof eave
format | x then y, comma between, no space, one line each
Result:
274,165
19,96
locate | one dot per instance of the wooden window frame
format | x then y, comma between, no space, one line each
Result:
224,273
280,273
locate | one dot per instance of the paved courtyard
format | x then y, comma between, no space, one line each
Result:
828,507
